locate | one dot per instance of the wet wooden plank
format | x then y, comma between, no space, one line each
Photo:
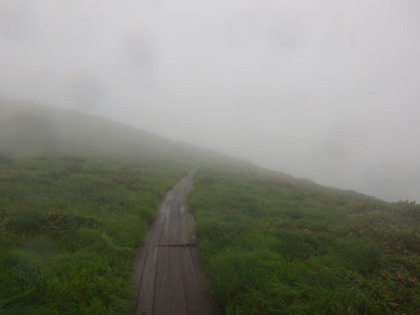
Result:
147,288
146,270
161,305
192,289
177,289
174,229
169,273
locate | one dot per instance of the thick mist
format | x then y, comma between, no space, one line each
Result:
326,90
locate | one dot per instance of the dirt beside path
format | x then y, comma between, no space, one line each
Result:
168,275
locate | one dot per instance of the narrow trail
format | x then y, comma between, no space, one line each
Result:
168,275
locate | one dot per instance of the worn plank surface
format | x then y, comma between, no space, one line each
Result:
168,277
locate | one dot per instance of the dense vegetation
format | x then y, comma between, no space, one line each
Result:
271,244
69,229
70,225
275,245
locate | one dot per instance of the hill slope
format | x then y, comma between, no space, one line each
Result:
28,129
80,197
275,245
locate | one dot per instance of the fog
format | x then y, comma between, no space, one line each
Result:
325,90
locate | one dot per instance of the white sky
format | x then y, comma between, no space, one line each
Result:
321,89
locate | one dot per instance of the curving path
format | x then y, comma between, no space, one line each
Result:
168,274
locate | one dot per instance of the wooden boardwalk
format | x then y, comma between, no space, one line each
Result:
168,275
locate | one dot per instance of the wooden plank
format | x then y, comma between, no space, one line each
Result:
161,305
174,229
190,281
172,281
177,289
147,271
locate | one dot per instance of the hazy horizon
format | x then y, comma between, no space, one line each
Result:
321,90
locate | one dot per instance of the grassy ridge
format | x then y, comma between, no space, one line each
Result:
69,228
275,245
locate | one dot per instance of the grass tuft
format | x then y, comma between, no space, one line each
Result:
69,229
275,245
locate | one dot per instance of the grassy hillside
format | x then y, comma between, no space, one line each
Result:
69,229
31,129
77,194
274,245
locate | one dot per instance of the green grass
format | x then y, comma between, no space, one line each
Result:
274,245
69,229
70,226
